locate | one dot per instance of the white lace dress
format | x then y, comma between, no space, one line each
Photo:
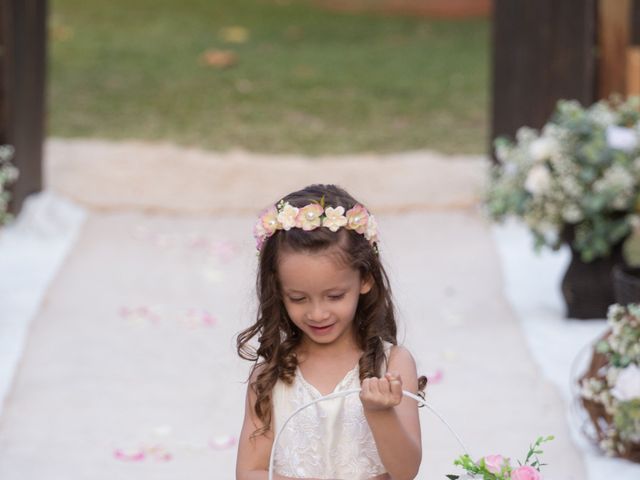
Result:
330,439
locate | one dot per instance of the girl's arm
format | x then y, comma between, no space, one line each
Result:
393,418
252,462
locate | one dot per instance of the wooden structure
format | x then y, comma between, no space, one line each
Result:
545,50
22,90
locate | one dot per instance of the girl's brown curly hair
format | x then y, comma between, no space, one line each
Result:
278,337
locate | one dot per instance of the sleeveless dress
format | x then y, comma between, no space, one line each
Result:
331,439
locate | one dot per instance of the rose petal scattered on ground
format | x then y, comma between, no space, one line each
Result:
222,442
189,317
435,378
129,455
157,452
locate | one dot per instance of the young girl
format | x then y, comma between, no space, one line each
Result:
326,324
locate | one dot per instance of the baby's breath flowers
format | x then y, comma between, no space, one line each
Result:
8,174
581,170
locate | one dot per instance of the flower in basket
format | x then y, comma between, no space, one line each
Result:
497,467
610,389
8,174
577,179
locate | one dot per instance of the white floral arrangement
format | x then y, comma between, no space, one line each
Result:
8,174
610,390
581,170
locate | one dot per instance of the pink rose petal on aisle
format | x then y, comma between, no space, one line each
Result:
129,455
222,442
435,378
224,249
159,453
208,319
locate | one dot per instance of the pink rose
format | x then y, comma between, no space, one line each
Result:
525,472
494,463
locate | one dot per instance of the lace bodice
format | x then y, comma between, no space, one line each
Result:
330,439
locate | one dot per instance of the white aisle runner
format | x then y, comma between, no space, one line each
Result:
532,286
32,249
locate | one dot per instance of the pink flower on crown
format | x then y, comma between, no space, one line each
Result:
259,233
266,226
270,221
371,233
288,216
309,216
334,218
357,218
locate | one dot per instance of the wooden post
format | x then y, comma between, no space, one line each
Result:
614,34
22,90
633,71
542,52
633,53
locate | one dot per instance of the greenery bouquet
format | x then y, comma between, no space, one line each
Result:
579,173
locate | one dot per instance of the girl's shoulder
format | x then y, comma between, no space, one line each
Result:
399,358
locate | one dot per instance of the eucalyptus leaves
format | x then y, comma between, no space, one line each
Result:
8,174
582,170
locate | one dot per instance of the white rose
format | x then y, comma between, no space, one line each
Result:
541,149
627,385
621,138
538,180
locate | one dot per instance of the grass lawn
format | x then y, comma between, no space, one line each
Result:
306,80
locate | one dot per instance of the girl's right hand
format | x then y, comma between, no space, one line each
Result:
381,393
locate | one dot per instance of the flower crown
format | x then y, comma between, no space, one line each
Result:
285,216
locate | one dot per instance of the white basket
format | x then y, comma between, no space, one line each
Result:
345,393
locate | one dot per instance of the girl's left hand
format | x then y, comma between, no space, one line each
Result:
381,393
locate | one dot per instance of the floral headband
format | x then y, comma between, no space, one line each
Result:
284,216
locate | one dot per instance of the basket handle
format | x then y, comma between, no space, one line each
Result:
421,402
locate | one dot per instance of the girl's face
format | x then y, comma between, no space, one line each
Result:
320,295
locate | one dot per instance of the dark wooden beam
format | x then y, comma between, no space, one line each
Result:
22,91
543,50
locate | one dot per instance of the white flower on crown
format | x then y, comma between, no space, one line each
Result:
371,232
288,216
309,216
334,218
